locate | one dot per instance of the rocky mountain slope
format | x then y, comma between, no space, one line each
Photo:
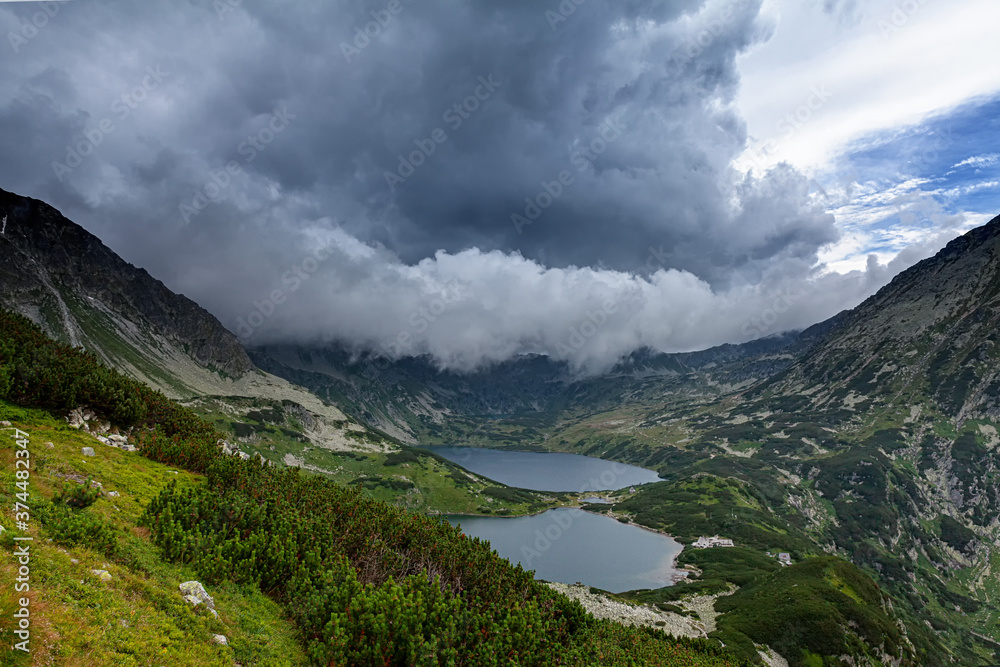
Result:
931,334
81,293
879,444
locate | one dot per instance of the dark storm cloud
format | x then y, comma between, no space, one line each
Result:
570,155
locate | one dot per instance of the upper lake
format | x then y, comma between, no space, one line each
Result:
543,471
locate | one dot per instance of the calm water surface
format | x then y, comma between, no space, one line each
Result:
569,545
543,471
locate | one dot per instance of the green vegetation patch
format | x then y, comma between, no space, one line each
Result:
822,606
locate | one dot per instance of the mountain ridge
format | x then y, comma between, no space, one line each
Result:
70,263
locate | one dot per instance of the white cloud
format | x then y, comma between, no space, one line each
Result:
979,161
940,56
473,307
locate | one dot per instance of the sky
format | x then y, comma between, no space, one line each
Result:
480,180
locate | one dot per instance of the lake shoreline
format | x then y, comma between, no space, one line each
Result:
677,577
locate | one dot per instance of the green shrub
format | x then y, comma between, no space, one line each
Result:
77,495
402,456
956,535
71,527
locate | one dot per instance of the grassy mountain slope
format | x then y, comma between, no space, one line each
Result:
352,580
138,617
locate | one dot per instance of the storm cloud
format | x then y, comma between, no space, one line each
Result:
470,180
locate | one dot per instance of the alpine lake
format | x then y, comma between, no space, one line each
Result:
569,545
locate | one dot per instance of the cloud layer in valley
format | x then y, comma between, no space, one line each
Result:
471,181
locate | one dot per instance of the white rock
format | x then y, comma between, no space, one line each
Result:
5,424
103,575
113,494
129,448
50,445
220,640
118,439
74,419
89,451
194,589
74,561
103,439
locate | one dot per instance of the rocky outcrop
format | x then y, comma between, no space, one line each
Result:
195,594
698,624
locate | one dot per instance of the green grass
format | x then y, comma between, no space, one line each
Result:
137,618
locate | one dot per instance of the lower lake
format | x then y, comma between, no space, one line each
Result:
547,471
569,545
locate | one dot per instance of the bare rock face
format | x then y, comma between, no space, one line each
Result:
63,278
